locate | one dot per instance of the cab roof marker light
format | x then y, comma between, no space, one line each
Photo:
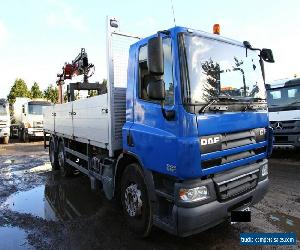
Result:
216,29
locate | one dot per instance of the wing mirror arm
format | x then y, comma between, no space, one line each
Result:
264,55
155,62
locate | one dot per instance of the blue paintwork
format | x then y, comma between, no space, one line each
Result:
231,151
234,164
161,145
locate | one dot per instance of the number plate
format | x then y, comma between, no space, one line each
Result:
241,215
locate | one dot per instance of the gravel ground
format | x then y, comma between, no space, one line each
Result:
41,210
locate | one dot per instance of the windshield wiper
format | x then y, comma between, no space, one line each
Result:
293,103
216,99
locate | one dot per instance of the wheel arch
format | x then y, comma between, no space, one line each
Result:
123,161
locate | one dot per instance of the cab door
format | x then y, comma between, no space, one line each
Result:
154,138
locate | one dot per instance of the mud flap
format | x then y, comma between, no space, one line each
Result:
107,182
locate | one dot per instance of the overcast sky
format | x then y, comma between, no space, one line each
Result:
38,36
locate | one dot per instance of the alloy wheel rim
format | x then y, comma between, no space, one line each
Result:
133,201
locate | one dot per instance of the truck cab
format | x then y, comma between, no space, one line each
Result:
284,112
207,139
28,118
4,121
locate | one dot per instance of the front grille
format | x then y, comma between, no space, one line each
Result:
281,139
38,124
280,126
238,185
234,140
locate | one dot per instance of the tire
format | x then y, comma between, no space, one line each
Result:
65,169
53,156
20,135
24,136
135,201
5,140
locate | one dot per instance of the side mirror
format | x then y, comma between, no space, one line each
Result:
156,90
155,56
267,55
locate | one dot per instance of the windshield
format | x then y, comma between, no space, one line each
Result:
36,109
216,68
285,96
3,110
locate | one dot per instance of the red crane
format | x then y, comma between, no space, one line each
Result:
79,66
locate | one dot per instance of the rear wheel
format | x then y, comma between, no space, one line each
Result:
53,155
65,169
135,201
5,140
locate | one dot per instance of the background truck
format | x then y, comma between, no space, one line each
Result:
169,139
28,118
284,112
4,121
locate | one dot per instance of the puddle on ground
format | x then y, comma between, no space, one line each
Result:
285,222
31,201
59,199
13,238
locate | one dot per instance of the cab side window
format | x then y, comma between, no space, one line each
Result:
144,76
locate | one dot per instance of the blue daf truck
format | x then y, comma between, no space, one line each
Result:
183,144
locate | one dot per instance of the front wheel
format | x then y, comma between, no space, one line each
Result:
135,201
5,140
24,136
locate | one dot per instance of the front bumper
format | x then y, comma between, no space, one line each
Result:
35,132
4,132
197,219
246,184
287,141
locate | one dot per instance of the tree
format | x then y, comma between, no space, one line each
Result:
65,96
19,89
211,71
35,91
51,94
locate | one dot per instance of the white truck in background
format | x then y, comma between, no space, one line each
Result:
28,118
4,121
284,112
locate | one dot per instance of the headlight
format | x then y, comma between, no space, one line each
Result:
264,170
193,194
27,125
